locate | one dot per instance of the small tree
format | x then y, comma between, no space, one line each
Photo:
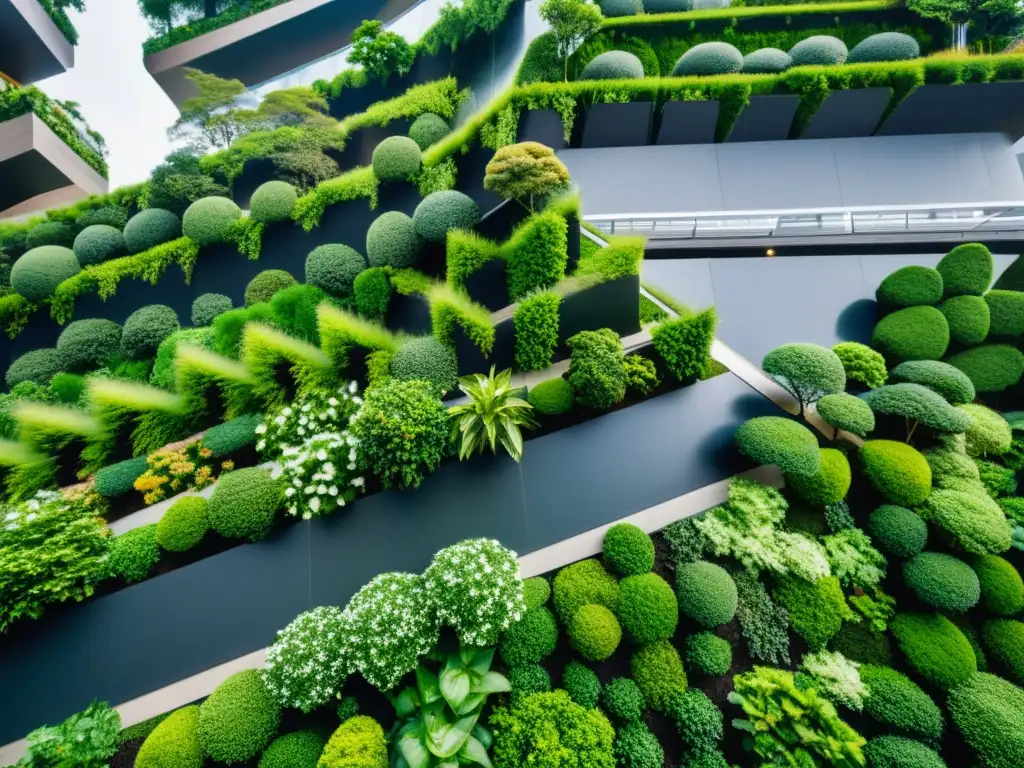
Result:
806,371
571,22
525,171
380,53
988,15
211,119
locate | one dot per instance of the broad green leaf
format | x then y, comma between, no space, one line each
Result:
473,702
1015,419
475,752
481,734
492,682
426,682
481,661
406,702
414,751
455,686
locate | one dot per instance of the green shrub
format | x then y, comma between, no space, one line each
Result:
596,375
594,632
884,46
1002,590
826,486
969,318
917,404
613,65
536,331
988,433
942,582
897,531
133,554
391,241
145,328
536,592
897,471
989,712
641,374
429,360
184,525
859,642
208,220
359,742
637,747
531,639
623,701
208,307
334,268
581,684
536,254
50,233
628,550
98,243
88,344
440,212
819,50
552,397
239,718
992,368
647,608
914,333
781,441
527,679
995,478
112,216
816,609
174,743
163,373
372,290
698,721
231,436
966,270
621,7
428,129
934,646
268,282
300,749
706,593
348,708
1006,309
38,272
847,412
37,366
896,751
910,287
118,479
150,228
952,383
766,61
68,388
899,704
709,59
396,158
244,503
806,371
685,343
582,583
273,201
862,363
1004,642
659,674
667,6
976,522
949,465
709,654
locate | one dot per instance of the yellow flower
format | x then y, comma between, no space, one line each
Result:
227,466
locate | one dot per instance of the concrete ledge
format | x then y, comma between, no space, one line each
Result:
31,46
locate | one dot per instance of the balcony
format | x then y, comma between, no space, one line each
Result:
32,46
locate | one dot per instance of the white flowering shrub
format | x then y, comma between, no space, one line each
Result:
320,474
836,677
391,625
474,586
311,414
309,660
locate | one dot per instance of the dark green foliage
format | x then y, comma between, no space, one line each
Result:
914,333
596,374
899,704
766,61
1007,312
527,679
637,747
897,471
300,749
37,366
118,479
184,525
658,672
806,371
231,436
88,344
765,625
244,503
885,46
333,268
862,363
581,684
68,388
685,343
348,708
145,328
429,360
268,282
992,368
208,307
997,479
966,270
969,318
917,403
273,201
621,7
706,593
133,554
1004,642
628,550
396,158
897,531
581,583
239,719
989,712
536,330
613,65
951,383
391,241
823,50
847,413
531,639
623,701
98,243
1002,591
934,646
942,582
111,216
440,212
910,287
594,632
709,59
536,592
38,272
858,642
826,486
372,291
208,220
708,654
50,233
428,129
781,441
150,228
816,609
897,752
684,541
552,397
647,608
698,720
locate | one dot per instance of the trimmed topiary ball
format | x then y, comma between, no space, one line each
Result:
428,129
934,646
709,654
527,679
989,712
552,397
647,608
37,366
391,241
38,272
897,471
88,344
846,412
969,318
623,701
184,525
942,582
594,632
816,609
659,674
975,521
914,333
150,228
267,283
628,550
531,639
359,742
766,61
1006,311
333,268
440,212
396,158
943,378
112,216
536,592
861,363
273,201
826,486
897,752
709,59
611,8
706,593
582,684
98,243
300,749
781,441
428,359
244,503
174,743
899,704
239,718
884,46
910,287
897,531
819,50
636,747
207,307
145,328
133,554
1004,642
233,435
1002,590
966,270
50,233
992,368
584,582
700,725
613,65
208,220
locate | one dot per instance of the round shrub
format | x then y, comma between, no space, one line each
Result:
914,333
698,721
244,503
133,554
552,397
884,46
628,550
623,701
969,318
861,363
118,479
581,684
333,268
659,674
847,413
897,752
949,465
917,403
952,383
428,129
966,270
781,441
239,718
976,522
826,486
359,742
584,582
301,749
989,712
647,608
709,59
440,212
372,291
819,50
807,371
531,639
899,704
150,228
97,243
50,233
396,158
1006,312
38,272
1002,590
145,328
233,435
897,531
273,201
37,366
858,642
620,7
706,593
816,609
208,220
69,388
207,307
184,525
1004,642
910,287
174,743
536,592
942,582
613,65
934,646
391,241
427,359
766,61
87,344
708,654
637,747
550,728
594,632
527,679
988,433
268,282
897,471
992,368
110,215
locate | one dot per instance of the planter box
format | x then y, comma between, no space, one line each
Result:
971,108
132,294
615,305
766,118
471,169
497,224
573,249
543,126
410,314
359,146
488,286
848,114
618,125
472,360
688,122
256,172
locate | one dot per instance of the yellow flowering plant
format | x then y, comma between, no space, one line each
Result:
171,471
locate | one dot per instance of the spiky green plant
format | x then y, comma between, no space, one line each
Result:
273,357
342,332
118,405
200,373
493,415
46,426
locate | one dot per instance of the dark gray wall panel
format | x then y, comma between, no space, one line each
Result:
688,122
618,125
974,107
766,118
688,280
846,114
544,126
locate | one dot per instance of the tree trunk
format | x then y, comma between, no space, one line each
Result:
209,8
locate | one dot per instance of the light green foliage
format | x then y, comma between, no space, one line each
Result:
38,272
333,268
150,228
897,471
969,319
934,646
273,201
685,343
596,374
98,243
396,158
765,625
778,440
826,486
709,59
37,367
821,50
1002,590
647,608
641,374
899,704
429,360
239,718
628,550
452,311
133,554
914,333
244,503
989,712
440,212
1007,312
184,525
372,291
309,660
428,129
582,684
852,558
766,61
594,632
536,330
988,433
88,344
613,65
861,363
997,479
948,381
659,674
942,582
836,678
87,739
208,220
530,640
342,333
209,306
174,743
299,749
966,270
536,254
898,752
910,287
708,654
391,241
525,172
552,397
358,742
267,283
536,592
807,371
976,522
816,609
163,374
897,531
847,413
950,468
917,404
884,46
1004,642
145,328
991,368
527,679
706,593
623,701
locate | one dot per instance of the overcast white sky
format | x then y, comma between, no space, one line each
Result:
118,97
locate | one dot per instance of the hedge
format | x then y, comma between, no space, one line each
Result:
299,749
239,718
372,291
273,201
596,371
685,343
897,531
265,284
948,381
118,479
98,243
628,550
942,582
536,330
184,525
145,328
899,704
989,712
897,471
898,752
911,286
858,642
992,368
706,593
826,486
914,333
552,397
1002,590
440,212
208,220
174,743
231,436
50,233
846,412
88,344
244,503
429,360
133,554
966,270
536,253
150,228
38,272
934,647
816,609
659,674
536,592
613,65
1006,310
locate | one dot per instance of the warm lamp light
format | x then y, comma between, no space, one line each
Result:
770,252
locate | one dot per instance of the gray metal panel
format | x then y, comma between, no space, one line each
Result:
959,109
846,114
544,126
766,118
618,125
688,280
777,174
688,122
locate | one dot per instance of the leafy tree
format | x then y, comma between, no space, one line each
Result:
178,182
807,371
571,22
211,119
305,165
293,106
379,52
525,171
988,16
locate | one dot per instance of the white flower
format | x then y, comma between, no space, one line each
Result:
314,504
289,492
358,482
261,428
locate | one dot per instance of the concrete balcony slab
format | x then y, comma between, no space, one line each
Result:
31,45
